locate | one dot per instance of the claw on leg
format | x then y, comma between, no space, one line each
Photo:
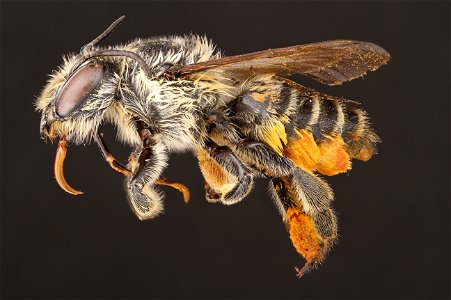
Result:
306,268
210,194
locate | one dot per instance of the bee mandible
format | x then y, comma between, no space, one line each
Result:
239,115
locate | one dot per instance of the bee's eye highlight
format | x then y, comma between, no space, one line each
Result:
78,87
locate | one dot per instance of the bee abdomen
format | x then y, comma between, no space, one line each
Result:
322,116
316,131
324,134
330,120
359,137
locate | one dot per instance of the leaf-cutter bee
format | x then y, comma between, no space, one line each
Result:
238,114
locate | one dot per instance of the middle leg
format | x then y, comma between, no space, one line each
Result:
228,180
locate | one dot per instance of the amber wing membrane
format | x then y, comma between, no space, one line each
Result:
330,62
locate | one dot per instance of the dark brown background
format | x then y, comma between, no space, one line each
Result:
393,210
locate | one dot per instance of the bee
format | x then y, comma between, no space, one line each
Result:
239,115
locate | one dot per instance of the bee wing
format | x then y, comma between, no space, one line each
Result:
330,62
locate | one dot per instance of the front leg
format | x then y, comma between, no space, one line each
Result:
117,166
146,164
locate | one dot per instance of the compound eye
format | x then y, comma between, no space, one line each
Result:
77,89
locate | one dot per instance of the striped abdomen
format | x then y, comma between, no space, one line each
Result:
324,133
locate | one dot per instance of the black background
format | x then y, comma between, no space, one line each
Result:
393,210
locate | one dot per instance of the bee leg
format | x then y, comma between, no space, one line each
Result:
312,233
210,194
146,164
228,180
265,159
240,191
108,156
233,165
303,200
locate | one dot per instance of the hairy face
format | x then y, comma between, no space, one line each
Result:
76,98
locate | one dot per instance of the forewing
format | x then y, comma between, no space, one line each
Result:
330,62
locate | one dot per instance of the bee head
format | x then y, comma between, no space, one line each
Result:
78,97
78,94
75,99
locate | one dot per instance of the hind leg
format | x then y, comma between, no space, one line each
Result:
304,203
303,200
